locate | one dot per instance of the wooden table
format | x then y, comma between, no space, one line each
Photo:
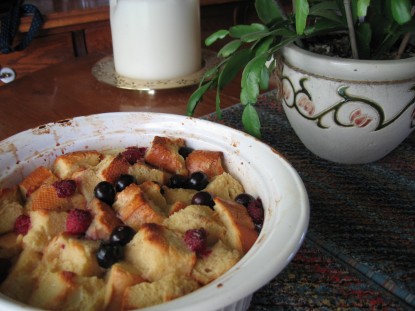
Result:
69,89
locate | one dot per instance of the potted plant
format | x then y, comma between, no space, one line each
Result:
337,111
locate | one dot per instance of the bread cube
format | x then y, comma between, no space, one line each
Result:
135,209
46,198
66,165
172,195
39,176
68,253
166,289
225,186
216,262
240,229
111,167
157,251
64,290
120,277
143,172
104,220
10,244
44,226
22,278
152,192
164,153
206,161
9,211
195,217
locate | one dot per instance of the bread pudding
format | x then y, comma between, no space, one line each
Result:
123,230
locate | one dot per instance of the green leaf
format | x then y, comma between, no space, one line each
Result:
251,79
240,30
401,11
229,48
268,11
250,121
264,81
220,34
196,97
361,7
263,46
232,66
301,14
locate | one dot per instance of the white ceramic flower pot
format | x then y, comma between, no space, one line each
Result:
348,111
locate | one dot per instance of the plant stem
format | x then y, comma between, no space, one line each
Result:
352,34
405,39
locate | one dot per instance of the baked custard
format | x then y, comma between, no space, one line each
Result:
125,230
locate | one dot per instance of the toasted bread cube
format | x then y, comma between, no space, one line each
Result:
22,278
111,167
8,195
157,251
225,186
241,233
152,192
164,153
177,206
68,253
46,198
135,209
104,220
64,290
166,289
172,195
143,172
195,217
208,162
86,181
44,226
10,244
52,290
66,165
9,211
41,175
120,276
219,260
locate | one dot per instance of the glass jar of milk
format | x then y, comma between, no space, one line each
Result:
155,39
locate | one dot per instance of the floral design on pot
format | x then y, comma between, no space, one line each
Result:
359,117
345,110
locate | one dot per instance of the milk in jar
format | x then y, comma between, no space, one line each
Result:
155,39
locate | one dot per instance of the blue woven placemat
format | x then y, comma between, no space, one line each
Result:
360,248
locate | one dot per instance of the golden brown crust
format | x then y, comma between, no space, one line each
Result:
66,165
164,154
209,162
240,227
134,209
35,179
104,220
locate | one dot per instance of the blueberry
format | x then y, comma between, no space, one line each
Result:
122,235
177,181
108,254
123,182
185,151
105,191
198,181
203,198
244,199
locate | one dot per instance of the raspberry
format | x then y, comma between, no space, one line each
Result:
256,211
196,239
134,154
65,188
22,224
78,221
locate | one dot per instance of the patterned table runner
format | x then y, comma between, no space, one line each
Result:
360,247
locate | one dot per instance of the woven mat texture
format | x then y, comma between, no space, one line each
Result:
360,248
